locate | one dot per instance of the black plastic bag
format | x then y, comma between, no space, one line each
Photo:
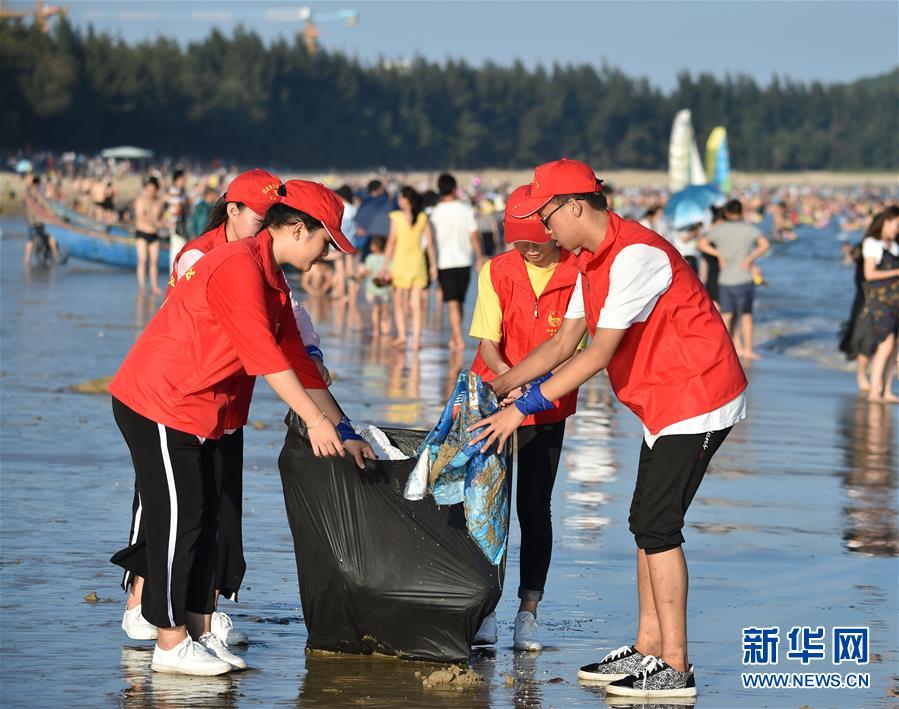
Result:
377,572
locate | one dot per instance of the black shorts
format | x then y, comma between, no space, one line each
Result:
736,299
147,236
454,283
667,479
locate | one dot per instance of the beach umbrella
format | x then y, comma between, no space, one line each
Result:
691,205
127,152
23,166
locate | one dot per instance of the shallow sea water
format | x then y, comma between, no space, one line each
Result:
795,523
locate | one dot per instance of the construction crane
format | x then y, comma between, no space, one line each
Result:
310,31
42,13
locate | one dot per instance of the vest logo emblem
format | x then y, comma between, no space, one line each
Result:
553,321
190,274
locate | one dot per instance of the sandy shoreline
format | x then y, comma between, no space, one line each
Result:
795,524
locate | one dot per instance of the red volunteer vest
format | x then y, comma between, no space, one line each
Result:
529,321
184,372
681,362
243,385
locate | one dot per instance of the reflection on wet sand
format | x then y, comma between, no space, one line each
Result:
869,446
170,691
353,681
590,463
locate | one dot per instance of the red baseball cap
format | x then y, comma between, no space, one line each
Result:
319,202
552,178
528,228
257,189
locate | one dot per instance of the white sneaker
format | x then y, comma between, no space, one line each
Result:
221,651
486,634
224,630
525,636
188,658
136,626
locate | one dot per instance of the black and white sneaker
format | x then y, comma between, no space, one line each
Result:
618,664
655,678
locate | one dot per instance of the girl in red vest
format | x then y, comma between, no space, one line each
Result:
180,386
237,215
522,297
670,360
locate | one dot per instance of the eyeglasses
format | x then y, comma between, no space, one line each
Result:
546,219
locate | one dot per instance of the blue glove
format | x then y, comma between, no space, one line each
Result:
532,400
346,432
314,351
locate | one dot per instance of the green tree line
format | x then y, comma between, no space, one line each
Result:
237,98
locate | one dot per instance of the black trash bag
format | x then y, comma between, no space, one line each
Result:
377,572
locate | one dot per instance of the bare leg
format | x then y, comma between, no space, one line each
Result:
414,299
649,637
728,320
746,325
890,372
135,591
153,268
455,318
169,637
861,372
141,246
352,283
29,249
400,296
338,288
375,318
880,365
668,575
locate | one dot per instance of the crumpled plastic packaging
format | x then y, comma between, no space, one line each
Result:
452,470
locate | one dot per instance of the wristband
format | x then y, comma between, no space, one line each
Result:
346,432
532,400
314,351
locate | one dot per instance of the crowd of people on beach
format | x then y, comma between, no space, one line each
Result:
560,262
174,204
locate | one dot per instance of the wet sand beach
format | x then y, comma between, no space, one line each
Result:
794,525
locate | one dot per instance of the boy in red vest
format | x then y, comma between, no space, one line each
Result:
670,360
522,297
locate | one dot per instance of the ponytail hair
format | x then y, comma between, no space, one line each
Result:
280,215
218,215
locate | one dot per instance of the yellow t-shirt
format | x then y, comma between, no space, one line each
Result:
487,321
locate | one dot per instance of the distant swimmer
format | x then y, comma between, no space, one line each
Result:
147,217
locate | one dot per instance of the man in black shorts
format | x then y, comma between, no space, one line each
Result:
458,242
147,214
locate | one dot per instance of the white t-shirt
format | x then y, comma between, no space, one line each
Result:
348,224
639,276
452,224
874,248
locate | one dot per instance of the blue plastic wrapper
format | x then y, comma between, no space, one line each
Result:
452,470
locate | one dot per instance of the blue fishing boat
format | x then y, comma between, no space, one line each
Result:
84,238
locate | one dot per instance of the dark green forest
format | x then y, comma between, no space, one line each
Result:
237,98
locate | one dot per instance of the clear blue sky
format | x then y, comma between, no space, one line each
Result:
803,40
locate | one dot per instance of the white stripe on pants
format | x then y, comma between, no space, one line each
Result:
173,517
